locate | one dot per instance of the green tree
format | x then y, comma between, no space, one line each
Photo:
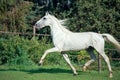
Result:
12,15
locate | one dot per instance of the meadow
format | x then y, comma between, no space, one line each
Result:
53,73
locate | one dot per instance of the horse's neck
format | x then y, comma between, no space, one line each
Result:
57,30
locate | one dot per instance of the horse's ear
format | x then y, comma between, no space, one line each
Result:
47,13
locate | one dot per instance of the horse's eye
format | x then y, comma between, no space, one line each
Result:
44,18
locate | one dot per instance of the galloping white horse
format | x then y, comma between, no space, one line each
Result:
65,40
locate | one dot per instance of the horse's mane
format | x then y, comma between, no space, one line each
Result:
61,23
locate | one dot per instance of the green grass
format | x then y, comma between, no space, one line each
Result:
53,73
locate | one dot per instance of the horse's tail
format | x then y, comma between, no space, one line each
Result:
111,39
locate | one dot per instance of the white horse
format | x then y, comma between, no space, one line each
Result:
65,40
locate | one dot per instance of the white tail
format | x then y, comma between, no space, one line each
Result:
111,39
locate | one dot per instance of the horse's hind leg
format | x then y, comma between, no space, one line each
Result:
108,63
93,58
69,63
100,50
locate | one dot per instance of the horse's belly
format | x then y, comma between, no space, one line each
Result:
76,45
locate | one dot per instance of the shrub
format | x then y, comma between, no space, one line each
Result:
16,50
12,49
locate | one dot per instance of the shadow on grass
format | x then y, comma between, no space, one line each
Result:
49,70
41,70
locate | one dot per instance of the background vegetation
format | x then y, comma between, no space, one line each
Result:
83,15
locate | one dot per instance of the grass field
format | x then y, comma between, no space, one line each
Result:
53,73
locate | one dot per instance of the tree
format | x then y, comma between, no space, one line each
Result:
12,15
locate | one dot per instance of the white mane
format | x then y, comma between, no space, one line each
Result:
61,23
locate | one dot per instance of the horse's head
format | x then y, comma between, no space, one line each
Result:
48,20
44,21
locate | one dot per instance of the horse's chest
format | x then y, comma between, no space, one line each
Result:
58,40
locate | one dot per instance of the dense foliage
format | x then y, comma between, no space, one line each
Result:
82,15
16,50
12,15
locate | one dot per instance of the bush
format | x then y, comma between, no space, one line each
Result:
12,50
17,50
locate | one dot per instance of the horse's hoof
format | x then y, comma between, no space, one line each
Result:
110,75
84,68
75,74
40,64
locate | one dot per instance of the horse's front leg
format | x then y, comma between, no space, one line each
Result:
46,52
69,63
